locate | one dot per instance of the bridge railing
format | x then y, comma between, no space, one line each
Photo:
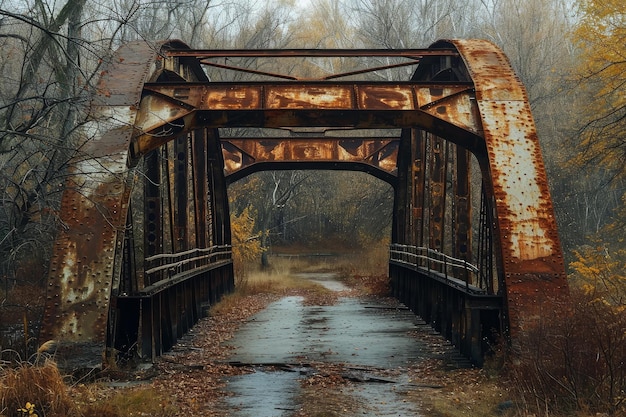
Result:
164,269
456,272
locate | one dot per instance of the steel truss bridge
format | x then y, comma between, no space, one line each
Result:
145,243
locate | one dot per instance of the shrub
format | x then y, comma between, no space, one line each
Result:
246,244
576,363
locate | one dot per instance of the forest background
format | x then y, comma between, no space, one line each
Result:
570,55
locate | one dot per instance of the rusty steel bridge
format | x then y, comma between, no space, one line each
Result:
145,243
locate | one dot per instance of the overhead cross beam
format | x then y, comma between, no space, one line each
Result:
171,109
378,156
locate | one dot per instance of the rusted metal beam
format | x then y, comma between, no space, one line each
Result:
172,109
200,187
220,215
324,53
462,213
532,259
241,153
420,209
321,95
411,57
437,193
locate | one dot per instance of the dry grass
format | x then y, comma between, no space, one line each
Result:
278,281
46,388
142,401
279,278
486,400
275,283
373,262
40,385
98,400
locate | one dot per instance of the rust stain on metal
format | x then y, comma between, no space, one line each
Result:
93,208
386,97
232,98
240,153
453,104
308,97
79,298
533,266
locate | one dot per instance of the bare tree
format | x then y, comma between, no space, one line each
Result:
40,109
533,34
410,23
53,59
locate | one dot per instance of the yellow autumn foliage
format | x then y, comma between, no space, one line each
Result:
246,242
601,273
601,40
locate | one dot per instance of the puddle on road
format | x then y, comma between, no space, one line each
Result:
384,401
263,394
357,333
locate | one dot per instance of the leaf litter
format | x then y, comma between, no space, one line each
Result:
193,375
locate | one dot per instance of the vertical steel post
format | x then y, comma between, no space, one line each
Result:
438,169
461,218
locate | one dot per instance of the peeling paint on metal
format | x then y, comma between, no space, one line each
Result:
520,186
92,207
514,155
532,259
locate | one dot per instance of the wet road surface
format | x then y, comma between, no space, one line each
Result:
351,331
370,339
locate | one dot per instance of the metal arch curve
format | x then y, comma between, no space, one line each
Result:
532,259
84,267
510,141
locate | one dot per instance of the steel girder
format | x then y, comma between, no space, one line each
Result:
525,230
143,243
463,92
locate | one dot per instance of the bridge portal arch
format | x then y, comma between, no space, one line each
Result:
145,242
